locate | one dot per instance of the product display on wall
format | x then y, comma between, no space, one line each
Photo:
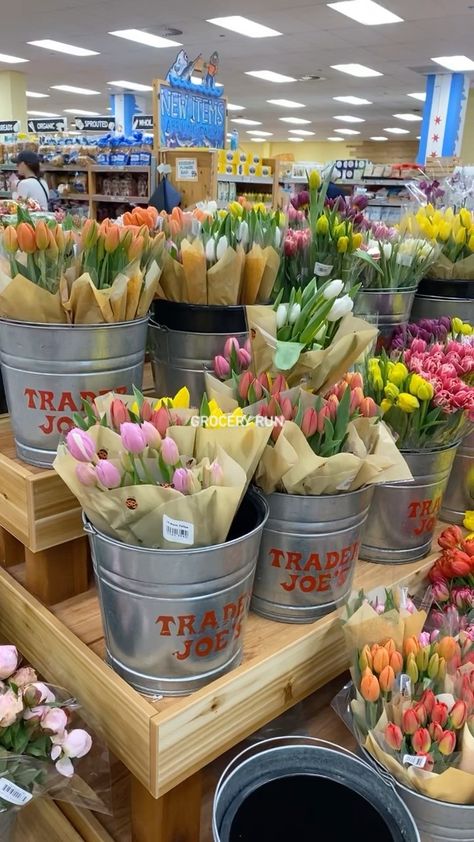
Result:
237,440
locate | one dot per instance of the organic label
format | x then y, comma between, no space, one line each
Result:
322,269
178,531
414,760
13,793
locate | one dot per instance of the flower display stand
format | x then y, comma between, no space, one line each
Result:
165,743
43,821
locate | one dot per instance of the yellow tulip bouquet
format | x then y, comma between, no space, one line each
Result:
454,232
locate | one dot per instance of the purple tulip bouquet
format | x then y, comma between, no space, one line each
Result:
156,490
40,751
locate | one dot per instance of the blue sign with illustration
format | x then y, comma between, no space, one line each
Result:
192,113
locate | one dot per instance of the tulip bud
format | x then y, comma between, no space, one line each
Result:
412,669
133,437
422,658
387,679
396,662
107,474
458,714
429,700
26,237
365,658
244,358
309,422
421,713
152,436
357,395
86,474
80,445
119,413
182,480
433,666
393,736
409,721
314,180
281,315
439,713
169,451
368,408
90,234
333,290
380,660
221,367
436,731
294,313
245,382
447,743
279,384
421,741
446,648
230,343
10,239
369,688
41,235
411,645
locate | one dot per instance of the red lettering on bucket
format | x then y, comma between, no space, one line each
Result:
49,402
424,512
207,633
337,562
277,555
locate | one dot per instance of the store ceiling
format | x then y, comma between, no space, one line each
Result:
314,38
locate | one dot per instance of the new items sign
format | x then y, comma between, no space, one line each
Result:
190,118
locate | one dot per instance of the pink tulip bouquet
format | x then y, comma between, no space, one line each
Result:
180,486
234,359
38,745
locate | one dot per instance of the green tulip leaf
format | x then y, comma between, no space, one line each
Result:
287,354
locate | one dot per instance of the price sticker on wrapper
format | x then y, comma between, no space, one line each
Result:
322,270
178,531
14,794
414,760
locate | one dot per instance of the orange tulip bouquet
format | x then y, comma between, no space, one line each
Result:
411,704
50,273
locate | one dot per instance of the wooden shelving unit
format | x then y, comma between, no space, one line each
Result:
165,743
256,184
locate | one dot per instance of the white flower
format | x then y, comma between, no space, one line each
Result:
387,250
340,308
333,289
294,313
211,207
243,235
221,248
211,250
282,314
76,743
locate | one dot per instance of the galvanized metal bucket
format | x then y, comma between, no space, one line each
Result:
185,338
403,515
173,619
436,298
305,789
49,369
392,307
437,821
308,554
459,494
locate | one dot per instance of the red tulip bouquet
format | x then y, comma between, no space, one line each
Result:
452,582
411,705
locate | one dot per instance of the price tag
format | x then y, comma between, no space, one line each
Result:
322,269
13,793
404,684
404,259
414,760
179,531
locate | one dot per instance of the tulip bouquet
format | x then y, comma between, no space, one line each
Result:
452,580
111,411
412,701
430,331
234,359
48,273
399,261
161,491
40,749
230,258
454,233
422,396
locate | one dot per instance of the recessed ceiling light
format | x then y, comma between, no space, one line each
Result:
302,132
232,107
197,80
35,95
260,133
59,47
12,59
418,137
346,131
346,118
295,139
410,118
132,86
397,131
81,113
286,103
244,26
379,137
296,121
353,100
421,96
366,12
356,70
71,89
42,114
270,76
244,122
336,139
146,38
257,139
455,63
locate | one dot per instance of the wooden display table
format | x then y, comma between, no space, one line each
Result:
165,743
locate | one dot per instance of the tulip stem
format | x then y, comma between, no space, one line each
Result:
146,472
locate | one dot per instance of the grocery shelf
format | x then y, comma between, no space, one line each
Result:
65,197
246,179
111,168
5,194
65,168
380,182
126,200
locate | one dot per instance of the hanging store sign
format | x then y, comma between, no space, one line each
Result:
10,126
142,122
49,124
95,124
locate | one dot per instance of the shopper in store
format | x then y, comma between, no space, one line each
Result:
31,185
